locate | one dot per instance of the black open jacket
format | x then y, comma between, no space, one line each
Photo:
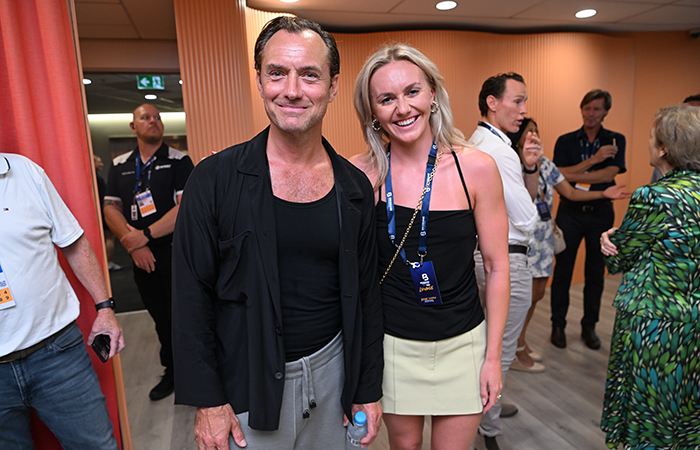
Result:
227,325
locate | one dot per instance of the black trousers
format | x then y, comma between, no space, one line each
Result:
156,292
578,224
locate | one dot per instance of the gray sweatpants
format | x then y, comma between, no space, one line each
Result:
520,301
316,379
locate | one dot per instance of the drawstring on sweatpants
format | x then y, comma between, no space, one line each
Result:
308,397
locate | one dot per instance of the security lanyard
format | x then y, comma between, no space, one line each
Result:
492,130
390,209
138,172
588,149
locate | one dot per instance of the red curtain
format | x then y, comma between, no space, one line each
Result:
42,118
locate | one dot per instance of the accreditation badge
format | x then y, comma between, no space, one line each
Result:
145,203
425,284
6,300
543,211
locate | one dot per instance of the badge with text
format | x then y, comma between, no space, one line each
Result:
543,211
145,202
6,300
425,284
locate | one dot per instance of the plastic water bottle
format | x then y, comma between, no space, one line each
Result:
356,432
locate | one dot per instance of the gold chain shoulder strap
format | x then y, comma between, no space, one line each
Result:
415,213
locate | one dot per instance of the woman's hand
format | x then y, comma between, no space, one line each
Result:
532,151
607,247
491,383
616,193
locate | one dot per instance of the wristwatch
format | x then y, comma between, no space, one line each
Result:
147,233
530,172
105,304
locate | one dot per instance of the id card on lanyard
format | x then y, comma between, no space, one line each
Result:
422,273
542,206
143,201
6,300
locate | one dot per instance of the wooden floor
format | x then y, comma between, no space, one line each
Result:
560,408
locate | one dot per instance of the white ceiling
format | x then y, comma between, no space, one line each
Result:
155,19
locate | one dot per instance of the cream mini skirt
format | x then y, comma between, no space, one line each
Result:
436,378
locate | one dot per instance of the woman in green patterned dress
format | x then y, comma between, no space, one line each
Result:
652,394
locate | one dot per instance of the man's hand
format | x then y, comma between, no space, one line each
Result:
605,152
532,150
374,420
212,427
144,259
134,239
106,323
491,383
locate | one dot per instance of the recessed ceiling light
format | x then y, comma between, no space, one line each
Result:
150,96
289,1
446,6
87,81
586,13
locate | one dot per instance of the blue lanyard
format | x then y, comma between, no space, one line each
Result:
138,171
491,129
390,209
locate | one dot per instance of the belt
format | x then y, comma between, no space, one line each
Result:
512,248
585,208
20,354
517,249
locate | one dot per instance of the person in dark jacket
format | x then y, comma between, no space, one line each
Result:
277,320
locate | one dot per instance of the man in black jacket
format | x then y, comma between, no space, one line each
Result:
277,318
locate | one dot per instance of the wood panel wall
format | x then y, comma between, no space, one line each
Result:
212,49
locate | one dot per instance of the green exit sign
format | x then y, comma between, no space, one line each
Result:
150,82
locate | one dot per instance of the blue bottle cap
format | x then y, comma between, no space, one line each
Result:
360,418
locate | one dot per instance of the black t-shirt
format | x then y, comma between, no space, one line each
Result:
168,172
308,242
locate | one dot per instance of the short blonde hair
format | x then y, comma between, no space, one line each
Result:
441,122
678,128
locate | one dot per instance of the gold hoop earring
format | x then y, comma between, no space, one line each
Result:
434,107
376,126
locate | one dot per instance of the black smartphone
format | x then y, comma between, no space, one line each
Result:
101,346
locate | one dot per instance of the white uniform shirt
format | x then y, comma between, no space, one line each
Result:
33,218
522,213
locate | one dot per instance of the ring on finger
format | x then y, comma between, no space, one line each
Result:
498,397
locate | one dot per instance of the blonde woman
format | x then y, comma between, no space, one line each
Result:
442,358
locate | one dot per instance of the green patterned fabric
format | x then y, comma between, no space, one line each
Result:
652,394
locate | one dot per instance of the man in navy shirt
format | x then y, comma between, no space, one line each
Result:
140,207
589,158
